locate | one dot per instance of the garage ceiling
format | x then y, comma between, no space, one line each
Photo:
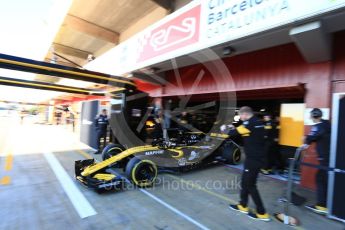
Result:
92,27
114,15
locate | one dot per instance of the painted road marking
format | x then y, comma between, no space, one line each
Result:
84,154
5,180
196,186
80,203
8,162
174,210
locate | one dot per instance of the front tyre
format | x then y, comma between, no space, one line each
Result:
112,150
232,154
142,173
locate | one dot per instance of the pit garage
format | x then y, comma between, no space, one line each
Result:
49,172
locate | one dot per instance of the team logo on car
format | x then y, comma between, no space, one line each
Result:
157,152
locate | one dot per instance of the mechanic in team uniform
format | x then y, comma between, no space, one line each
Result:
101,124
320,133
273,156
252,131
158,121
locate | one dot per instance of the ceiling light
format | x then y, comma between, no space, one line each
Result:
228,51
90,57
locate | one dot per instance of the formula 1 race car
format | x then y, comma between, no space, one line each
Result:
140,165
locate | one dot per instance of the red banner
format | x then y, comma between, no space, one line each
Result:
179,32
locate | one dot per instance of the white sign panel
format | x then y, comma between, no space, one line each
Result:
226,20
206,23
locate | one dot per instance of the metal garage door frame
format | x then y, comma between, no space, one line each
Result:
333,153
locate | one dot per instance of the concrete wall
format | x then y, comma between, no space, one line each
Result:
269,68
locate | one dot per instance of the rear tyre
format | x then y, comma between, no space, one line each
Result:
112,150
232,154
142,173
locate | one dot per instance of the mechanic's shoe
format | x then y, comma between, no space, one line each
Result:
266,171
263,217
317,209
239,208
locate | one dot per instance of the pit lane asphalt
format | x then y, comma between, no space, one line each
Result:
35,199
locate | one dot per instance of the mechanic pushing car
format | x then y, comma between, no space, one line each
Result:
101,124
252,131
320,133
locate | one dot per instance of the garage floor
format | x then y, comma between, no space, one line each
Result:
36,194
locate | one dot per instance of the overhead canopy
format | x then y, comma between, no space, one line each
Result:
111,84
32,66
47,86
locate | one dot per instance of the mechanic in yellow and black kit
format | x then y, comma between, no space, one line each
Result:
274,159
252,131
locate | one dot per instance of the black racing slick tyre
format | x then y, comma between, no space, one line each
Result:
112,150
142,173
232,154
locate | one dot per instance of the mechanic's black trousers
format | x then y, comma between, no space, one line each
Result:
273,156
248,183
101,135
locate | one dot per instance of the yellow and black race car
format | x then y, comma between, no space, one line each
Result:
140,165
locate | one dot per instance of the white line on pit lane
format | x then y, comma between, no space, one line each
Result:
175,210
80,203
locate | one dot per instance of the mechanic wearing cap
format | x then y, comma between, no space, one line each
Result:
252,131
101,124
320,134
